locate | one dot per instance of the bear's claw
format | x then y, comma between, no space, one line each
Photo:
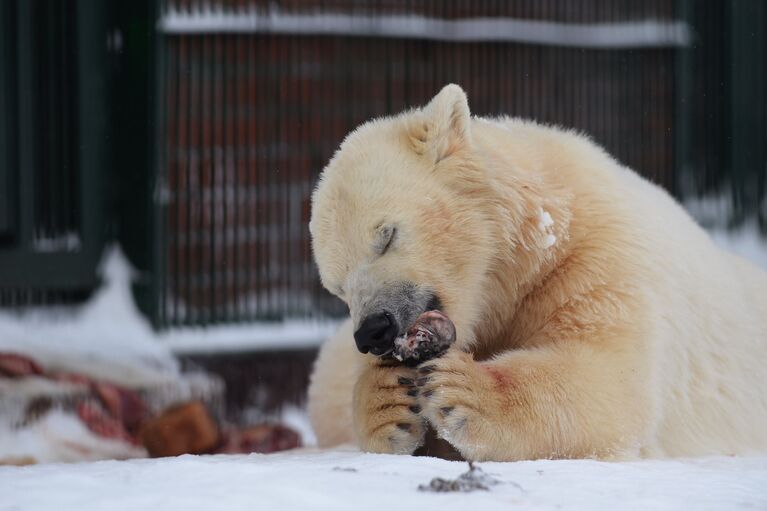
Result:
448,398
386,411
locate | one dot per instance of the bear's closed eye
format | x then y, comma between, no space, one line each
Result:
385,237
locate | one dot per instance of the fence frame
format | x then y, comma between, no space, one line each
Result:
23,267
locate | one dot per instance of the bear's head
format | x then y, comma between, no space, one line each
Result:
400,222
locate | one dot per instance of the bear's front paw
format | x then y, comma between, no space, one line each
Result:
456,396
386,412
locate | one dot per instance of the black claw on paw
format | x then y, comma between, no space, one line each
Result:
427,369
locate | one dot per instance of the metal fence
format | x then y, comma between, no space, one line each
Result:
53,149
255,97
224,112
721,98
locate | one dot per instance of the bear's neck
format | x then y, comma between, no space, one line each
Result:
531,216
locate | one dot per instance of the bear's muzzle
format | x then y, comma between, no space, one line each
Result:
376,333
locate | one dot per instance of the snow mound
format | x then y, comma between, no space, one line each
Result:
105,338
108,339
346,479
745,242
61,437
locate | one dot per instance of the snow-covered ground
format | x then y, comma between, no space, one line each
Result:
745,242
59,436
714,213
345,479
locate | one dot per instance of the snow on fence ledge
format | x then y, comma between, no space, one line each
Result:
628,34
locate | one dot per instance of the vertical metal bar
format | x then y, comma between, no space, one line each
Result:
204,182
8,120
386,47
224,141
407,57
27,126
159,184
434,54
214,142
66,126
94,124
293,137
176,55
328,112
47,196
747,57
253,261
498,79
682,117
232,183
272,183
305,54
270,109
239,111
287,158
193,156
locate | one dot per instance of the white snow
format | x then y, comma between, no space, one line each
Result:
59,436
69,241
628,34
348,480
548,241
744,241
106,338
544,219
298,419
545,223
713,213
289,334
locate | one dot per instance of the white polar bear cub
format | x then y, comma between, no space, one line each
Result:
594,318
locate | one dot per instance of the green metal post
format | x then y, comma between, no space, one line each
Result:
747,154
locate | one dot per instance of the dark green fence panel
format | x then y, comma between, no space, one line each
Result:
747,112
134,123
253,100
722,105
7,126
54,143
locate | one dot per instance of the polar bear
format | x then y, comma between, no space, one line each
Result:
594,318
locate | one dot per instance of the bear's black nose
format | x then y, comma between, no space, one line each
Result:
376,334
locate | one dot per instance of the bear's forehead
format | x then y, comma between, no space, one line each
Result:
366,189
373,148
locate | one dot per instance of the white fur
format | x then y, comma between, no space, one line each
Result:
587,286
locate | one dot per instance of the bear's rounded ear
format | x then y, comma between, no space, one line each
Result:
442,127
